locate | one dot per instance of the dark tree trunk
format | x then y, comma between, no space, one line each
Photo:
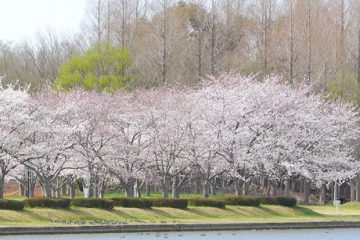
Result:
206,188
147,189
306,191
353,189
322,199
175,187
245,188
287,187
71,189
129,189
47,188
2,183
165,188
239,184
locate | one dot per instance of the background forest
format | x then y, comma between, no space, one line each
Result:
168,42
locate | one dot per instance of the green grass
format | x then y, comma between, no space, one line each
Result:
267,213
264,213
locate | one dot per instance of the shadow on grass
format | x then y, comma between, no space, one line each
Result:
34,216
307,212
123,214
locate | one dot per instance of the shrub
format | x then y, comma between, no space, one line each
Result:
283,201
92,203
47,203
242,201
171,203
11,205
200,202
132,202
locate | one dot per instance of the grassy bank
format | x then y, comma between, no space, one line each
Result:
266,213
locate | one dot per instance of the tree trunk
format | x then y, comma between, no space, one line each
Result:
213,187
239,184
71,190
268,189
293,185
306,188
273,188
165,188
31,191
322,199
137,189
353,189
213,38
87,191
335,197
147,189
63,190
175,187
47,188
101,188
357,197
129,189
2,184
206,188
287,187
197,183
245,188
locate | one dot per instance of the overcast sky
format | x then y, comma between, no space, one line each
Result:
22,19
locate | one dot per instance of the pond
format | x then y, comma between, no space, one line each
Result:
322,234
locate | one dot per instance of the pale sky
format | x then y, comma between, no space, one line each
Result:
22,19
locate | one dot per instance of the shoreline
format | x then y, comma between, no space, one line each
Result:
176,227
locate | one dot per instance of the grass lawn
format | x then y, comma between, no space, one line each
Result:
265,213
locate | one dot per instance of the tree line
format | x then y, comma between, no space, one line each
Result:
233,128
179,42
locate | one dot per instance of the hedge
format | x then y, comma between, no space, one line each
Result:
11,204
200,202
242,201
282,201
171,203
132,202
92,203
47,203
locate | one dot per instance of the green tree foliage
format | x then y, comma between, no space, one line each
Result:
103,67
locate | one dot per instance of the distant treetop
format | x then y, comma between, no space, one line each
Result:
102,67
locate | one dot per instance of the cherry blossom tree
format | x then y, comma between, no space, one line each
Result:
168,126
130,148
92,136
46,145
266,127
14,116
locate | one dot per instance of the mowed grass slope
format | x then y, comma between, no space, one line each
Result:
265,213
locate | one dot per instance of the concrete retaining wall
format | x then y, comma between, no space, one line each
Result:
174,228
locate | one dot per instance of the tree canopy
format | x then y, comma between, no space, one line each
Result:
101,68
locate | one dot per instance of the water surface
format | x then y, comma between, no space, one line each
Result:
323,234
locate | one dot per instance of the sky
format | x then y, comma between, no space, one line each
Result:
23,19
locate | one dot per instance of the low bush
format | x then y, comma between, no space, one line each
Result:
47,203
92,203
171,203
242,201
282,201
11,205
132,202
200,202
